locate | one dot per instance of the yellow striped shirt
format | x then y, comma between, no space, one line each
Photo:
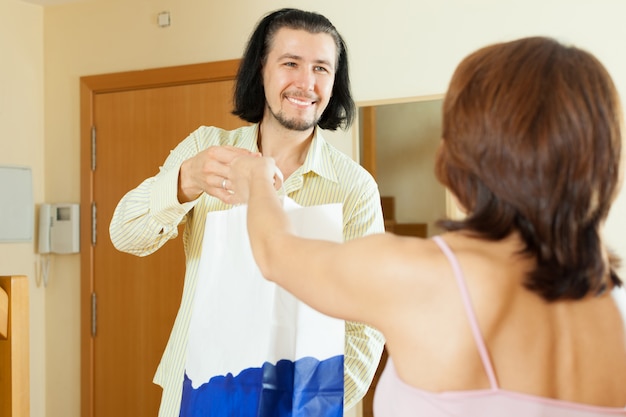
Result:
148,216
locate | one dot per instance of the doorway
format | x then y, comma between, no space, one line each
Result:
398,141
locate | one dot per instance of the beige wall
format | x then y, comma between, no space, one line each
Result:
22,144
405,48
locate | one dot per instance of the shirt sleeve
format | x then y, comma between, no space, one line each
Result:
148,216
364,344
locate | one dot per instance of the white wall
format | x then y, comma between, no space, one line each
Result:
398,48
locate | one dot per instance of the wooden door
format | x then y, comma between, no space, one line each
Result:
368,161
368,139
129,123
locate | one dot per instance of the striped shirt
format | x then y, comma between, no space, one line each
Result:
148,216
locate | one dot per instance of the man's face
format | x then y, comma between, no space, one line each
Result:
298,78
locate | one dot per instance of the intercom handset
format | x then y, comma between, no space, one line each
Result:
59,228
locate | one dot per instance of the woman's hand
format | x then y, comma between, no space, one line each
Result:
249,171
208,172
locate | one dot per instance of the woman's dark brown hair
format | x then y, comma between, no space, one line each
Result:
532,143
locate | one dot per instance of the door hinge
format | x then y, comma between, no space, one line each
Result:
93,223
93,314
93,148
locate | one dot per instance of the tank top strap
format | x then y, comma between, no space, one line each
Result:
471,315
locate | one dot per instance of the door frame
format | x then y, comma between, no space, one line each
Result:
90,86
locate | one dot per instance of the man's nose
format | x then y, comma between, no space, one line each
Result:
306,78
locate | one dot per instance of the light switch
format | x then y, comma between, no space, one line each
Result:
163,19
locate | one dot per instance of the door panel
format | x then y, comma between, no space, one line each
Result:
137,297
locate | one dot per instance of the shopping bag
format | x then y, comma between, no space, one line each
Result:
254,350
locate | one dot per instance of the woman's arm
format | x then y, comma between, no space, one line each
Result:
343,280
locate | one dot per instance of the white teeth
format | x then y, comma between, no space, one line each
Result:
297,101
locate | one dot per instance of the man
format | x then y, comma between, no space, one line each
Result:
293,80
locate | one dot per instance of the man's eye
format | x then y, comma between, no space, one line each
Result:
290,64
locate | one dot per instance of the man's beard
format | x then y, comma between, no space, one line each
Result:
299,125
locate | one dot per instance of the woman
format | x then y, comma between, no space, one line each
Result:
508,311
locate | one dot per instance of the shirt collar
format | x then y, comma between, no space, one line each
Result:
319,159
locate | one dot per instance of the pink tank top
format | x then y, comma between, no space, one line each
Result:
394,398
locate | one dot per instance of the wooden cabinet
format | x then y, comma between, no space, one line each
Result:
14,346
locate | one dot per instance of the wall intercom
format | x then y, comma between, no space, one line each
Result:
59,228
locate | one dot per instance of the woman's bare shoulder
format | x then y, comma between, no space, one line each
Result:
415,265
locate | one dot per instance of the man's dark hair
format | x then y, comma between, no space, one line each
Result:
249,97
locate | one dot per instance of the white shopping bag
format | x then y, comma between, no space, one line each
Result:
254,350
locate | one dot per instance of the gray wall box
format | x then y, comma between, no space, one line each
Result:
16,204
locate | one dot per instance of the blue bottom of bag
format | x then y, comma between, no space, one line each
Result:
303,388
